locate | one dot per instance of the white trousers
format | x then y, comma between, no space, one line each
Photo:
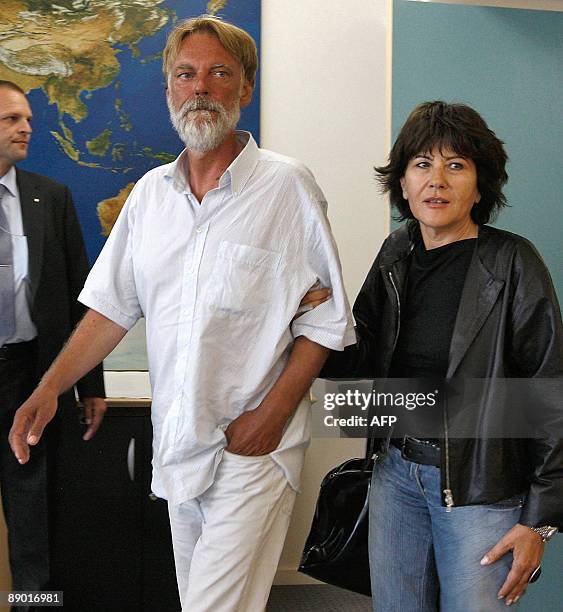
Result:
228,541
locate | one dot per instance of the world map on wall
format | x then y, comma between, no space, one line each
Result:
92,72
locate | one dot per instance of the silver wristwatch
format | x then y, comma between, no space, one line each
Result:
546,532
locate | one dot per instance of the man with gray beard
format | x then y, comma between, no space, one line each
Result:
216,250
208,134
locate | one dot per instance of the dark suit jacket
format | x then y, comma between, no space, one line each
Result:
58,267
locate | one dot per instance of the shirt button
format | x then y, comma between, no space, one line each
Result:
199,230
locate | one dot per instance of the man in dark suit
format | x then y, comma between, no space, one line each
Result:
43,266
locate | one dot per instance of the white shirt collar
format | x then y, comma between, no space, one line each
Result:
9,181
237,173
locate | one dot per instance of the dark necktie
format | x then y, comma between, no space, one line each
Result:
7,287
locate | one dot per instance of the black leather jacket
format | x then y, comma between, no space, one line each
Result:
508,326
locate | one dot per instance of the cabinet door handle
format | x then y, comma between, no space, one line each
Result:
131,459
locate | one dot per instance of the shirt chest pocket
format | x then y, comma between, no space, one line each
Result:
242,279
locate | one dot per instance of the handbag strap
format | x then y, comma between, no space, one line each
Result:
370,447
370,450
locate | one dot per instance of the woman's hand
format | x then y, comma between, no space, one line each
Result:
315,296
527,549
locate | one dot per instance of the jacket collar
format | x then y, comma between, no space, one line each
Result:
400,244
33,211
480,293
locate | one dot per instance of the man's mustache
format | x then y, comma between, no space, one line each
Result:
200,104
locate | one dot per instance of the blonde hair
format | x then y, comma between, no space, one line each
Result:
235,40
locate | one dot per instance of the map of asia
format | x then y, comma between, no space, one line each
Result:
92,70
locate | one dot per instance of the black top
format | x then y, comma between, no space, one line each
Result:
434,285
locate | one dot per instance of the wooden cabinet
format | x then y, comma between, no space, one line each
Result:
111,544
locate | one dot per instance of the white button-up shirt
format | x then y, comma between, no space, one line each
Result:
219,283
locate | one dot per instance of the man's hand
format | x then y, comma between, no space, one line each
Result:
94,411
92,340
30,420
527,549
254,433
259,431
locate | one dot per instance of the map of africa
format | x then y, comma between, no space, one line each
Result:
92,73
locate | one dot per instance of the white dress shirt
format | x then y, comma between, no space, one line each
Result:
219,283
25,329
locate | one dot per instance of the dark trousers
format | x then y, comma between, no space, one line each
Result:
23,487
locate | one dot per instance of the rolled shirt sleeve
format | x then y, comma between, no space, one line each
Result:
329,324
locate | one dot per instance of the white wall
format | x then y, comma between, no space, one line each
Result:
326,100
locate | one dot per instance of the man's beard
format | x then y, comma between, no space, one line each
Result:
198,130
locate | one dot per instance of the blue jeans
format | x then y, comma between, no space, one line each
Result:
423,558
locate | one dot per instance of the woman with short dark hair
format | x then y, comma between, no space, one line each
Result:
456,523
457,127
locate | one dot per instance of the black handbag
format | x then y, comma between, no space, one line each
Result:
336,551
